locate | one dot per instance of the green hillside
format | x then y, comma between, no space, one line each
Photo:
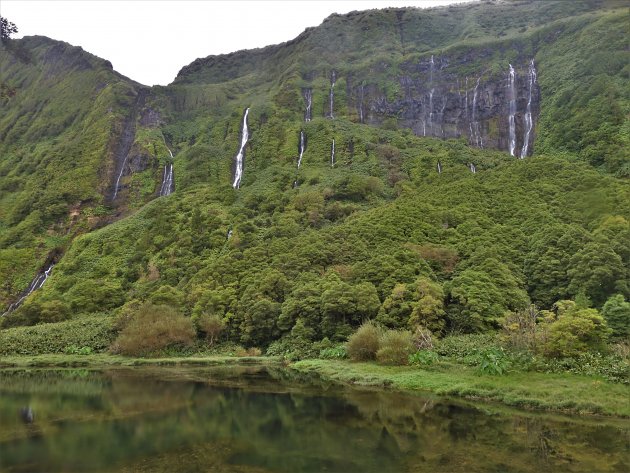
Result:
375,232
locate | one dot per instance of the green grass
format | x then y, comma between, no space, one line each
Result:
104,360
556,392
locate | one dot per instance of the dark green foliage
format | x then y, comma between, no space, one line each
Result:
93,331
616,311
7,28
423,358
378,236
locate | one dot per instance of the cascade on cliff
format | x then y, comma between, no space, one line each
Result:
331,95
238,172
301,148
332,154
512,110
308,98
167,180
35,284
439,167
529,122
472,168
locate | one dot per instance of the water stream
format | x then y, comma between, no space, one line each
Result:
512,110
238,172
529,122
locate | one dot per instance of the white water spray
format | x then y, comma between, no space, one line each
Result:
332,154
331,97
36,283
529,123
478,139
439,167
301,149
512,110
308,96
472,168
238,174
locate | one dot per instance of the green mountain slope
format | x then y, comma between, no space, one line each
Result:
374,231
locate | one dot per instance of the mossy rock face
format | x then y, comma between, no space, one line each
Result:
329,242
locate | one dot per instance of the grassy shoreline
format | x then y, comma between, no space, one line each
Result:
565,393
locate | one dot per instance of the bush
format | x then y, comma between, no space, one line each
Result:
335,353
422,338
364,343
521,331
293,349
75,350
94,332
576,331
211,326
395,347
493,361
253,351
423,358
616,311
464,348
154,328
613,368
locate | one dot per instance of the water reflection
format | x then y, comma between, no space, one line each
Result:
255,420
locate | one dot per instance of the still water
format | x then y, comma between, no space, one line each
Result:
255,420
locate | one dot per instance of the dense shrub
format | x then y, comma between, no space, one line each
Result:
211,326
338,352
395,347
616,311
154,328
364,343
423,358
422,338
576,331
463,347
94,332
521,331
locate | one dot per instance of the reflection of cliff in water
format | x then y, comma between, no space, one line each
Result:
248,419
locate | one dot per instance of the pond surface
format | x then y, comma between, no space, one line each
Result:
256,419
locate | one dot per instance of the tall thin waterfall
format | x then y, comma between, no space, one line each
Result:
361,105
512,110
167,180
475,132
332,154
472,168
529,123
439,167
308,96
301,149
36,283
431,96
331,95
238,173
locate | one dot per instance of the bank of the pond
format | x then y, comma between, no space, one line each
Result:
104,360
556,392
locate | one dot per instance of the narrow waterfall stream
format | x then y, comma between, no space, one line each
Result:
308,97
331,95
529,122
512,110
35,284
472,168
238,172
439,167
332,154
301,149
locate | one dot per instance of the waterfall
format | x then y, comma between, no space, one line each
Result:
478,139
512,110
439,167
332,154
167,180
529,123
238,173
36,283
431,111
361,105
331,97
472,168
308,96
229,234
301,149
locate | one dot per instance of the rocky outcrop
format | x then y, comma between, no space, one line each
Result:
436,101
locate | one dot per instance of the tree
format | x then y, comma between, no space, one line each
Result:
6,28
616,311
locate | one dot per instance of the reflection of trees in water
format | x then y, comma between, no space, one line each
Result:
280,424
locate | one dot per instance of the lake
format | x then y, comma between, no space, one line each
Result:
261,419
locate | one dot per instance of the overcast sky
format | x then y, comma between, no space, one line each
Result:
150,41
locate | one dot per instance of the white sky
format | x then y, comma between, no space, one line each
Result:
150,41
